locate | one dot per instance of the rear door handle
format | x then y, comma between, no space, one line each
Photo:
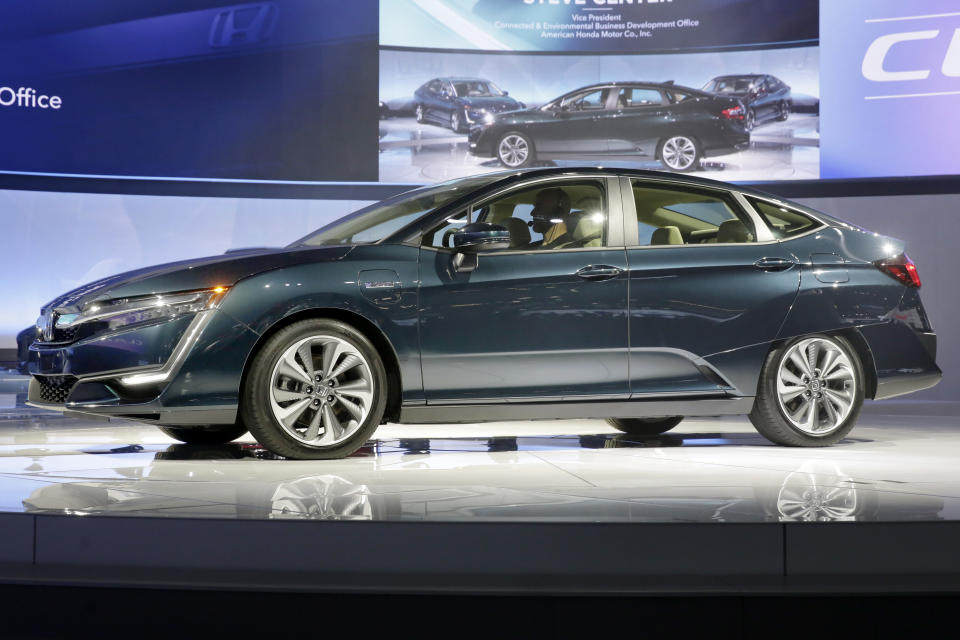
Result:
774,264
599,272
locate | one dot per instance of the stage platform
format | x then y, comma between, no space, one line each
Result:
533,507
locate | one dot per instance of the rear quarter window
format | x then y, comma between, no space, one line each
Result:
784,222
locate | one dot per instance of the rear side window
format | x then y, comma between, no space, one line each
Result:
678,216
783,222
638,97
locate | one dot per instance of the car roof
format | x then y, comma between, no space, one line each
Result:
633,83
462,79
742,75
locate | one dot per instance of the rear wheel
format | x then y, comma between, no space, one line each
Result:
810,392
680,153
750,120
645,426
317,389
205,433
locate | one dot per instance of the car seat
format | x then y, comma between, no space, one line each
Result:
733,231
519,232
666,235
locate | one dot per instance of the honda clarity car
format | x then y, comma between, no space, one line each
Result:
676,125
765,97
636,297
459,103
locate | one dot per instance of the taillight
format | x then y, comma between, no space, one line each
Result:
902,268
733,113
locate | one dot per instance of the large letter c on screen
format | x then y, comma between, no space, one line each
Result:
872,67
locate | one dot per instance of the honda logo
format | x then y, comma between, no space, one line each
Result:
243,24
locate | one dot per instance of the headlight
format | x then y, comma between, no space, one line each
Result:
122,312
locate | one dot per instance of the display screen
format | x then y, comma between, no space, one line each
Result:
283,90
274,90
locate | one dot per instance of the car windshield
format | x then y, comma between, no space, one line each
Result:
476,89
376,222
729,85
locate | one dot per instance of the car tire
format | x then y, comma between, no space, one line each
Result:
298,385
750,120
205,434
419,113
810,392
645,426
456,121
680,153
783,112
515,150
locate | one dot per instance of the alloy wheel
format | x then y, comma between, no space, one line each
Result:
513,150
679,153
750,120
321,390
816,386
419,112
455,122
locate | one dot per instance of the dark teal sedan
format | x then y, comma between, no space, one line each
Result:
637,297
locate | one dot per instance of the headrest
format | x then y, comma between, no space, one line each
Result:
588,228
733,231
519,232
590,204
666,235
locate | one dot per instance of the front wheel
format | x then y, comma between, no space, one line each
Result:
810,392
750,120
645,426
419,113
680,153
783,111
316,390
205,433
515,150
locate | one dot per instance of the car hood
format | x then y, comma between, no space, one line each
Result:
525,116
490,103
199,273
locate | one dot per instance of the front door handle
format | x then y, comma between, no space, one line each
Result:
599,272
774,264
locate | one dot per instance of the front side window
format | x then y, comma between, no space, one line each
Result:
590,101
783,222
675,216
553,215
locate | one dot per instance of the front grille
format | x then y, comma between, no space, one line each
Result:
55,389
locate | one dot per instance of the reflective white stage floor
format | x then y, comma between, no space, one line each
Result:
892,468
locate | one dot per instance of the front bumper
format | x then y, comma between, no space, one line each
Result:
185,371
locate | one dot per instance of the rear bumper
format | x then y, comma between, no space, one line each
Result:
905,359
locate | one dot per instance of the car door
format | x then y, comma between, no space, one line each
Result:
640,118
434,104
709,288
542,320
578,125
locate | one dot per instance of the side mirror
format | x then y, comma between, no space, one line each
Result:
474,237
506,93
445,94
